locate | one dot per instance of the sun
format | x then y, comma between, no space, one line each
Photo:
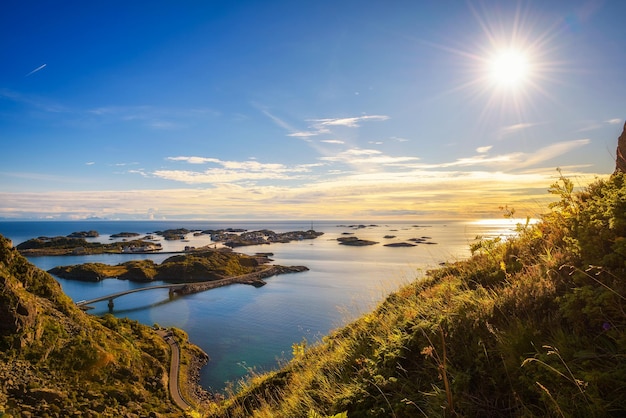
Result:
507,62
509,68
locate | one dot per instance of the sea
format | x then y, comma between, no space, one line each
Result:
247,330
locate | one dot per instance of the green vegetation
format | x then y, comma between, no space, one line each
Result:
532,326
196,266
55,360
74,246
207,265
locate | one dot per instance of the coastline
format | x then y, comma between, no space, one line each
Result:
339,276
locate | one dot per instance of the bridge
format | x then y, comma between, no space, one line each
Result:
173,288
255,279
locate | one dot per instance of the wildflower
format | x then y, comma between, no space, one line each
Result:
427,351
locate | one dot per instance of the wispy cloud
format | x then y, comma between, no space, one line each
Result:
194,160
304,134
353,122
45,177
278,121
482,150
552,151
508,130
367,157
230,171
151,117
332,141
41,67
511,161
592,125
317,127
34,101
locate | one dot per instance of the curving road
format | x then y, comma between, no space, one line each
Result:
174,370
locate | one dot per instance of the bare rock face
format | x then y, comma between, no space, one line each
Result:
620,159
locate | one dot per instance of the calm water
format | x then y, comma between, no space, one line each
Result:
242,327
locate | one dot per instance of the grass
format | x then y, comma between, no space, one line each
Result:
51,350
532,326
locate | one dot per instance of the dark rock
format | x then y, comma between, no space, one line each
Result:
354,241
125,235
84,234
400,244
263,236
620,159
173,234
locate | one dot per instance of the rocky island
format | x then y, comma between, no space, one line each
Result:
208,265
76,244
400,244
47,246
264,236
355,242
125,235
173,234
84,234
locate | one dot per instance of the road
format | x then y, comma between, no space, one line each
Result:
174,370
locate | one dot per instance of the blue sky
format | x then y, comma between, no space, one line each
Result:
304,110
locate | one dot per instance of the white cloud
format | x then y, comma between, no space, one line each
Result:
194,160
553,151
305,134
353,122
514,160
482,160
360,156
231,171
140,172
482,150
614,121
516,128
216,176
318,127
332,141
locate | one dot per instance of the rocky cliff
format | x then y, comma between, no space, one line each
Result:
620,153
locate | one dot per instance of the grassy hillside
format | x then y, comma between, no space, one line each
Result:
534,326
57,361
